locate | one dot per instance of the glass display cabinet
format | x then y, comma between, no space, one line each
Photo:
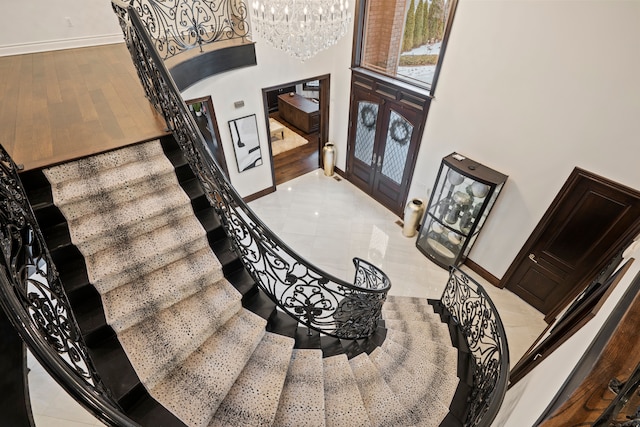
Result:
463,195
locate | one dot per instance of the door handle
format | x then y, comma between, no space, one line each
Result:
532,257
379,161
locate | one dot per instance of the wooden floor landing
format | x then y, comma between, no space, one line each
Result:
66,104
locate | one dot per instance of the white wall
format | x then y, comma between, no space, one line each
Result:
276,67
29,26
532,89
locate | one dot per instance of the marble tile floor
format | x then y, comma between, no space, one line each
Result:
328,222
51,405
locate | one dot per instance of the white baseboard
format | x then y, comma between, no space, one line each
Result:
43,46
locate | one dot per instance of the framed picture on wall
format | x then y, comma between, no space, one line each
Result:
246,144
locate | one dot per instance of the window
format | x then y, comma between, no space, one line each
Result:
405,39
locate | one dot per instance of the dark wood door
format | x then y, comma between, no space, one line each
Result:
589,221
385,136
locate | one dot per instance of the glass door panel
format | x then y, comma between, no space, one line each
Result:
396,147
396,154
367,119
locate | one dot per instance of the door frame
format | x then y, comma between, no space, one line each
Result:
323,106
214,122
523,255
395,92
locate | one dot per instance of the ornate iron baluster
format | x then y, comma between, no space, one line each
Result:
473,311
316,299
369,276
179,25
34,301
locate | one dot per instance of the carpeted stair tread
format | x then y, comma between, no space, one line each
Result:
405,300
343,404
302,398
147,252
433,331
113,224
104,201
137,272
112,159
160,342
409,313
413,303
92,196
382,405
127,305
118,181
438,353
194,389
442,383
253,398
417,394
132,302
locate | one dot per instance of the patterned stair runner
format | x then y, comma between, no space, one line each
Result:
193,346
302,398
342,401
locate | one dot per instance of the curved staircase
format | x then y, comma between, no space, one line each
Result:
150,309
207,347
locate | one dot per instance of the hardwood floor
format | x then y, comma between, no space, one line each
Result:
294,163
66,104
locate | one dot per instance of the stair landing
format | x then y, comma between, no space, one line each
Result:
54,103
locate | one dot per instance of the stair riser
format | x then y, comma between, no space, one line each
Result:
53,223
37,189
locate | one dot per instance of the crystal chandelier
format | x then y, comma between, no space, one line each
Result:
302,28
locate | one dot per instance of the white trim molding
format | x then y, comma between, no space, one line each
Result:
47,45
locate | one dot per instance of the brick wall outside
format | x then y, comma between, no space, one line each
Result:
384,30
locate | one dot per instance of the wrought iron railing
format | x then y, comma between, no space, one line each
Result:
316,299
176,26
623,403
473,312
34,301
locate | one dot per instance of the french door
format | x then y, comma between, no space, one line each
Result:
384,138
